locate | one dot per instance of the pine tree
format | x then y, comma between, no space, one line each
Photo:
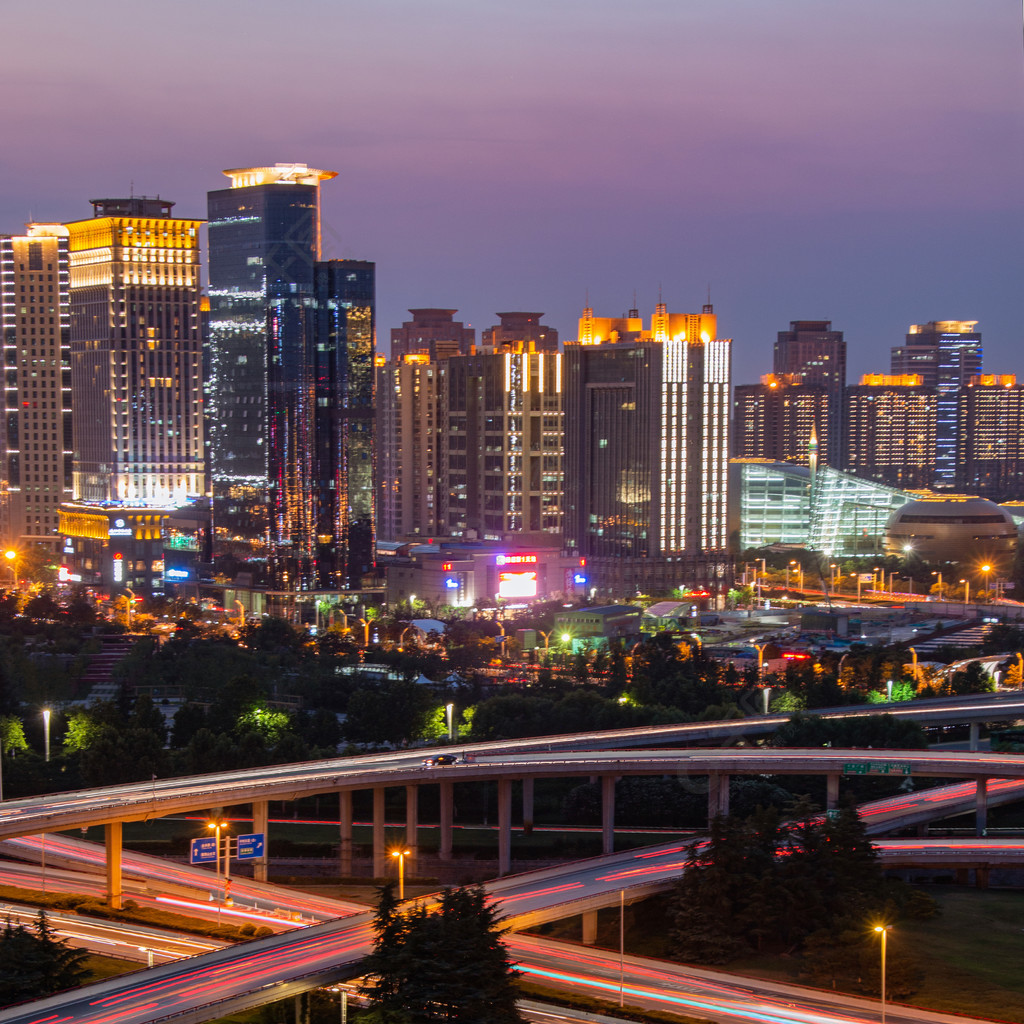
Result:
36,963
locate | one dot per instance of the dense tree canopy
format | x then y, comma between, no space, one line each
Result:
35,963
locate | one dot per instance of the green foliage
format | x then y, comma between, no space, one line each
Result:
881,731
34,963
901,691
271,725
391,712
12,734
972,679
446,963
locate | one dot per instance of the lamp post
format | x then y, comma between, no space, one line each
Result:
883,930
760,659
12,556
967,592
216,827
401,855
986,569
449,710
131,604
46,732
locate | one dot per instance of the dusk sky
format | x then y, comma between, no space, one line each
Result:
859,161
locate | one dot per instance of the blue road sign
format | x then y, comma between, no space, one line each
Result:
203,851
250,847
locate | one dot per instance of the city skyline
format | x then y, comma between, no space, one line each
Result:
857,165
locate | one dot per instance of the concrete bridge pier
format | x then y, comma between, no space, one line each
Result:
981,808
504,826
975,736
345,832
832,791
607,813
261,823
379,852
112,842
412,822
528,803
718,795
590,928
444,850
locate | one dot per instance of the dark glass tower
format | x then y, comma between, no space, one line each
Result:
264,244
342,360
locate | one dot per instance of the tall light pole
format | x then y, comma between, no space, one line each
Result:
449,710
46,732
967,592
216,827
986,569
883,930
401,855
12,556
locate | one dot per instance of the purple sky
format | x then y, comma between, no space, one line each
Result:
859,161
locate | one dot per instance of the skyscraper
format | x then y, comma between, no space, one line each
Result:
946,354
519,327
434,333
891,430
37,471
647,450
781,419
990,437
810,352
264,233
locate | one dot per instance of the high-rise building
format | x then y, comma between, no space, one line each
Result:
647,450
502,426
341,360
782,419
990,437
946,354
810,352
264,232
409,446
434,333
36,474
891,430
136,378
519,328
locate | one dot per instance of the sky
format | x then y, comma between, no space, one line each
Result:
853,160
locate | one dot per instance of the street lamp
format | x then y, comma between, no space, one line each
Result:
216,827
401,855
986,569
46,732
939,574
12,556
883,930
967,592
449,710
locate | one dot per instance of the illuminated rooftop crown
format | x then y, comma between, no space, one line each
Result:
279,174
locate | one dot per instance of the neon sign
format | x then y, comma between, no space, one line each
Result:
515,560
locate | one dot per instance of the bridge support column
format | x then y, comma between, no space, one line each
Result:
528,804
261,823
345,832
379,853
607,813
718,795
504,826
981,876
112,843
981,808
444,849
832,791
412,822
975,736
590,928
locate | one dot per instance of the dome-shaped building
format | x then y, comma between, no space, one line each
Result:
952,530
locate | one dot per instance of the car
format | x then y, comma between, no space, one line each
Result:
440,761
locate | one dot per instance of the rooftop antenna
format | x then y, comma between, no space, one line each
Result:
634,313
131,189
708,308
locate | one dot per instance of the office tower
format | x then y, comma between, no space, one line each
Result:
264,232
781,419
946,354
409,447
434,333
37,469
990,437
812,353
516,328
503,444
136,378
891,429
341,361
647,450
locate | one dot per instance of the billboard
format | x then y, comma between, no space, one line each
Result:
517,584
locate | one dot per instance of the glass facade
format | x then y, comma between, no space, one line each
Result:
770,503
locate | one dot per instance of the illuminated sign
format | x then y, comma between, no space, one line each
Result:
446,567
177,574
451,584
795,656
118,568
120,530
63,574
517,584
515,560
579,579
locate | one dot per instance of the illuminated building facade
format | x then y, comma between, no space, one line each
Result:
891,422
519,328
647,450
783,419
502,431
136,359
264,232
990,437
409,448
769,503
434,333
946,354
37,468
810,352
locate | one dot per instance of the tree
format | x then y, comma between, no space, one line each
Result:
443,964
36,963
